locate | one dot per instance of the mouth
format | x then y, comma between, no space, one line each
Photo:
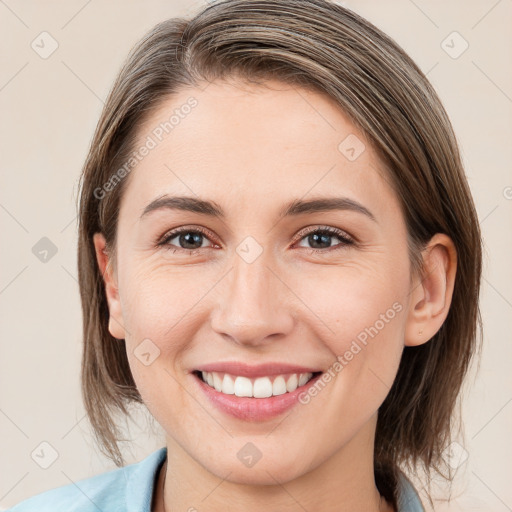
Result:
259,388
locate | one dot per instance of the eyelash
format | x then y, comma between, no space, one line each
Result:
341,235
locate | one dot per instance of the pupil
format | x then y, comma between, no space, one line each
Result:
324,238
191,238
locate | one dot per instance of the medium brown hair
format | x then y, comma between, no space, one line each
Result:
329,49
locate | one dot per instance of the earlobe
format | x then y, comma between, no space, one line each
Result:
115,325
431,293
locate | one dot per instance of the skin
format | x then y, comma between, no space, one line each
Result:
252,149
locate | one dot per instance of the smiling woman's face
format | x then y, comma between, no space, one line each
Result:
249,282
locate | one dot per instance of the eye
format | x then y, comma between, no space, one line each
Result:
191,240
188,239
320,238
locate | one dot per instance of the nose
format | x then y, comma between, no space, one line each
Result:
254,304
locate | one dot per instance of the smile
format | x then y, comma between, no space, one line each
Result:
261,387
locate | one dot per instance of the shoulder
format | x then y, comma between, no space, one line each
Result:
408,498
108,492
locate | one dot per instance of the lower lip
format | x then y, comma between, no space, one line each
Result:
254,409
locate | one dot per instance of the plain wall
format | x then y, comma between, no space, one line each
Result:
49,108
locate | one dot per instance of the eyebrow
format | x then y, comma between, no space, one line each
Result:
296,207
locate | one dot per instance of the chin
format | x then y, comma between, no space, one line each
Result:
265,471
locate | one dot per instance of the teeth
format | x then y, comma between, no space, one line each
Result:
279,386
243,386
292,383
217,382
262,387
228,386
303,379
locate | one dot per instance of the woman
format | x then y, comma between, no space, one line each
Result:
279,256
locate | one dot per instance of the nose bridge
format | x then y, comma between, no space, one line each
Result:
252,306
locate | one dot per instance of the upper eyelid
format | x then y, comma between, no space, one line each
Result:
319,227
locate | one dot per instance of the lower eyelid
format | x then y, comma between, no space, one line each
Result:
342,244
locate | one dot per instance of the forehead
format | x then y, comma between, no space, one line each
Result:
245,143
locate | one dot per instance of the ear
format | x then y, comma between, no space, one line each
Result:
431,293
115,323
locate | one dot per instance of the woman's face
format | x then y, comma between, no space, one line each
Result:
255,279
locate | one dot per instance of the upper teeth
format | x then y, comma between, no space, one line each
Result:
261,387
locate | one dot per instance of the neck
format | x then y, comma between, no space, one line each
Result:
343,482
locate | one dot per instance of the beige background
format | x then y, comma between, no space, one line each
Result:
49,110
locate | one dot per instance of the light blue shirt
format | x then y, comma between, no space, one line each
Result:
130,489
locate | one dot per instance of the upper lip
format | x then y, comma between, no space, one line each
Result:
260,370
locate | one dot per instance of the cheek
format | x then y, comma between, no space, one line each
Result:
159,318
353,301
160,301
362,323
